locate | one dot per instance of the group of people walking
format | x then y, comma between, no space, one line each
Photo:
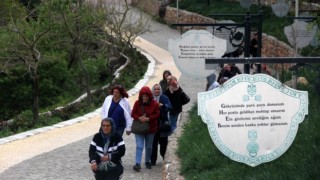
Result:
226,73
158,106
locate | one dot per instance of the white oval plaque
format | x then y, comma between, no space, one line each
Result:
192,49
299,35
280,9
253,119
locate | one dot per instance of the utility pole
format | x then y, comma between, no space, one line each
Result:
247,39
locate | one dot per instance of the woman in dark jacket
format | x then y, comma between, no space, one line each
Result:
145,109
161,137
178,98
105,152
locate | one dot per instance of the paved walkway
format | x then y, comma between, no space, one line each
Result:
61,151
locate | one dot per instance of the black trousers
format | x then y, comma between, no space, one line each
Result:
163,141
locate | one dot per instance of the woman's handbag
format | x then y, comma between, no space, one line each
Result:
165,126
107,166
184,98
139,127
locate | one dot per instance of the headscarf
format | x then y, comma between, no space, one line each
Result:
112,132
157,98
105,165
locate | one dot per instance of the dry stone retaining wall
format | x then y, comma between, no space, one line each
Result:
149,6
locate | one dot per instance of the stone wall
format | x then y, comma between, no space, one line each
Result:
185,17
149,6
272,47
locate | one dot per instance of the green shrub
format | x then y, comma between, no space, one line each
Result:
22,121
5,131
136,70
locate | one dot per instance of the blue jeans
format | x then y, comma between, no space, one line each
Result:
146,140
173,121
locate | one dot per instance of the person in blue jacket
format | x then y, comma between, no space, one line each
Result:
161,136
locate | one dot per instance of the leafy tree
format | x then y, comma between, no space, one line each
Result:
30,6
76,27
10,9
22,51
123,24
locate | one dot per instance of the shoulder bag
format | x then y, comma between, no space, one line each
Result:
184,98
165,126
139,127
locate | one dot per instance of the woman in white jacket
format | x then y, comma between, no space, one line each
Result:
118,108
